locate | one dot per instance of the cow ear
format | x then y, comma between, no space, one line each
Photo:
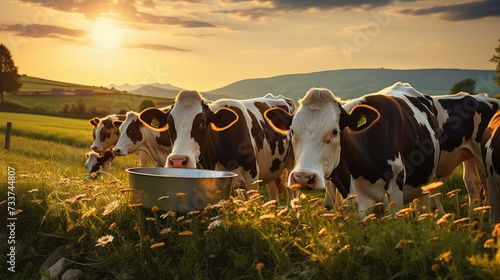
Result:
223,119
117,124
94,122
362,117
279,119
154,119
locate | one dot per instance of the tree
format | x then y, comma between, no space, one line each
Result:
9,79
496,59
146,103
466,85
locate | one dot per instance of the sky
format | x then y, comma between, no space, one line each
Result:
205,44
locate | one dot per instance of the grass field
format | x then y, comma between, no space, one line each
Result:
242,238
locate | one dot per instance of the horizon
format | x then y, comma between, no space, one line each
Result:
254,78
209,45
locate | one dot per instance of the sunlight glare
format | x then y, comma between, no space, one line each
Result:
106,34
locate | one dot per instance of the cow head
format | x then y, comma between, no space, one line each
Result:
316,129
106,133
189,123
95,162
130,135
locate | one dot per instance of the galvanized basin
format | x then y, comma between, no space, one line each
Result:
179,189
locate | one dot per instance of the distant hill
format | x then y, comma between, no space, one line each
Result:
33,85
155,90
352,83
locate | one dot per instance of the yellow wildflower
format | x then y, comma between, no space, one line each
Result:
445,257
157,245
181,195
490,243
431,187
112,226
482,208
267,217
165,231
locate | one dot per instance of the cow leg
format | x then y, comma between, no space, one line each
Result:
472,180
276,187
273,189
368,194
143,159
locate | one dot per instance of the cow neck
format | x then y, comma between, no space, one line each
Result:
208,155
340,176
151,147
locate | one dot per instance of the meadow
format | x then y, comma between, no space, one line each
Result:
245,237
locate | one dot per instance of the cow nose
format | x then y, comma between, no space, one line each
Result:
94,148
178,161
304,178
116,152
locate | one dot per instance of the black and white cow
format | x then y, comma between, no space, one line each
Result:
96,162
491,160
136,137
462,120
382,146
226,134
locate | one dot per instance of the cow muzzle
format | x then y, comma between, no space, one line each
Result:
119,152
178,161
308,180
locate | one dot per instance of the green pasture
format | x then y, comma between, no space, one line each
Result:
242,238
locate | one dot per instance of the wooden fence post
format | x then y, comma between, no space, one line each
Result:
8,131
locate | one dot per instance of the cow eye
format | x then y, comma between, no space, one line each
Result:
291,132
335,132
202,124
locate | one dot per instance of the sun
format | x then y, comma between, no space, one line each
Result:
106,34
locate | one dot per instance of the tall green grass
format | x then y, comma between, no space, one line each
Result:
242,238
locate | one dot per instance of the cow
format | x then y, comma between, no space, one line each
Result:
96,162
383,147
227,135
136,137
462,120
105,132
491,160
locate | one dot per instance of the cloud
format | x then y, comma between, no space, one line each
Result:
126,10
43,31
263,10
156,47
459,12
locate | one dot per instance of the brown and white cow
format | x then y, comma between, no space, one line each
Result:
226,134
491,160
462,120
136,137
382,146
105,132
